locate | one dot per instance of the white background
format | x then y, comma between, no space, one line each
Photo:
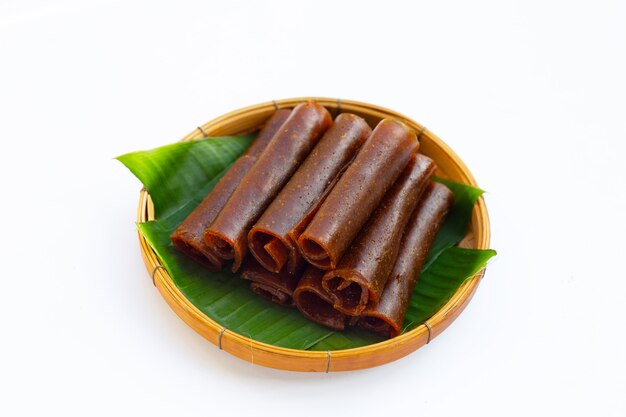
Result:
532,95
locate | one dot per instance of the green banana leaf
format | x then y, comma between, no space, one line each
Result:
178,176
441,279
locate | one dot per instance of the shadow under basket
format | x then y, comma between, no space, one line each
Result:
248,119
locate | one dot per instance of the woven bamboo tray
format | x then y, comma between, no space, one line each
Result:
248,119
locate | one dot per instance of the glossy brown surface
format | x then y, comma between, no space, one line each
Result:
272,239
188,237
274,287
360,189
227,235
362,273
387,316
315,303
267,133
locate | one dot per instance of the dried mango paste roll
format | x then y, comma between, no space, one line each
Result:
362,273
315,303
228,234
274,287
386,317
273,238
357,193
188,237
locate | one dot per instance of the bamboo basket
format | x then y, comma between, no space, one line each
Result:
250,118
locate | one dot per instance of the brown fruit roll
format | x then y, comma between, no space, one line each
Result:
357,193
387,316
315,303
227,235
362,273
268,132
273,238
274,287
188,236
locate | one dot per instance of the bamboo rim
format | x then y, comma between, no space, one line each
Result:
248,119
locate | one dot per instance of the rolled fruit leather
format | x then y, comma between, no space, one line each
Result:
386,317
188,237
357,193
315,303
273,238
363,271
227,235
274,287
